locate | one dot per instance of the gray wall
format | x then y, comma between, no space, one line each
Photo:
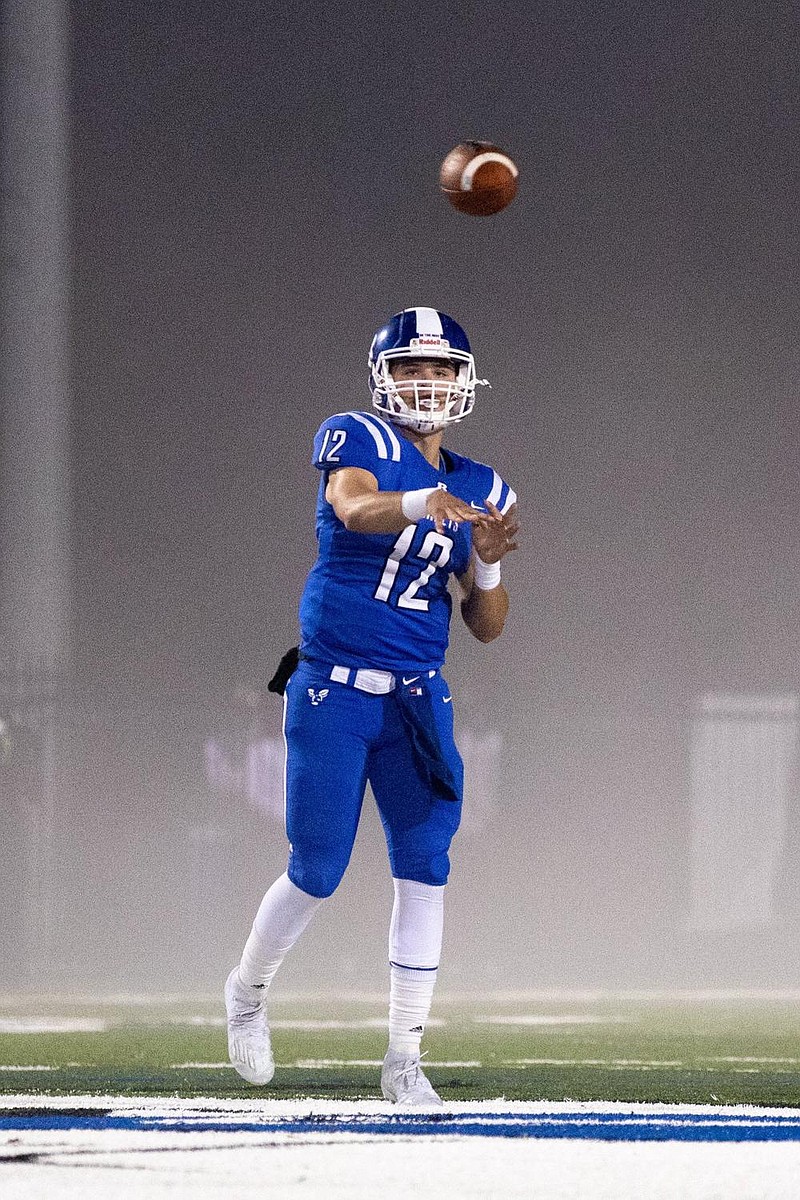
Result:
254,193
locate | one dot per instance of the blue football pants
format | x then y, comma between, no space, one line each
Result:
338,739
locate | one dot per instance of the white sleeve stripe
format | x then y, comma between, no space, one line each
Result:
497,487
394,441
511,498
376,433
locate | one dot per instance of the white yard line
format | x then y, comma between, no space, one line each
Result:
17,1067
541,1019
591,1062
54,1025
314,1063
749,1058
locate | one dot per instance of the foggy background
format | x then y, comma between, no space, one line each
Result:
253,192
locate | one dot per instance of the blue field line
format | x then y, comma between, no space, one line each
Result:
609,1127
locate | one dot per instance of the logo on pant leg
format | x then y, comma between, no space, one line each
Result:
317,697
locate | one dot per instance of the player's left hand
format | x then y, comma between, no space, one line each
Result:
493,539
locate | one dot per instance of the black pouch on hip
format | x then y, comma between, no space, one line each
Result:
286,668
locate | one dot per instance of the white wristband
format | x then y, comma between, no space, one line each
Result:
487,575
415,504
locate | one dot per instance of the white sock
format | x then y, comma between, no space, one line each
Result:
415,942
282,916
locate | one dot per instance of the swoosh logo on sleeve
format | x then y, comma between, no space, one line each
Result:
446,699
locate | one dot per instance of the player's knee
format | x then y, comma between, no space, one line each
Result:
432,869
320,879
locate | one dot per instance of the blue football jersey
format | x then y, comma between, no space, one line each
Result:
382,600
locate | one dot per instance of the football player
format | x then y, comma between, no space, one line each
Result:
365,700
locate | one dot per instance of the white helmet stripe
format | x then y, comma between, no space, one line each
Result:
428,321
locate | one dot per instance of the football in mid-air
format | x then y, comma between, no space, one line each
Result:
478,178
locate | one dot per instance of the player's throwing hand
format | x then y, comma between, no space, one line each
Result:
494,537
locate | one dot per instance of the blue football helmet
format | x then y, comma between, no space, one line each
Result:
423,405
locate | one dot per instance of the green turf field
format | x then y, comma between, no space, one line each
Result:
722,1050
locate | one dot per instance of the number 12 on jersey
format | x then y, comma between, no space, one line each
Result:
331,444
435,551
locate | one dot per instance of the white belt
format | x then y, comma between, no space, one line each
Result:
377,683
365,679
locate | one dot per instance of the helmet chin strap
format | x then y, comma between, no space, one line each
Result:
419,426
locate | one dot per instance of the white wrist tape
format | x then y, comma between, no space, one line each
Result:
487,575
415,504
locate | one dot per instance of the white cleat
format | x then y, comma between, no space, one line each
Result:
404,1081
249,1046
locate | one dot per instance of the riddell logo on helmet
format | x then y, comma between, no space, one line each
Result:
429,341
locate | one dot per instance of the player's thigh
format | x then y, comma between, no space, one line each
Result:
324,726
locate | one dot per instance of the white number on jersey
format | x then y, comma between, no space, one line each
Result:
336,438
435,549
